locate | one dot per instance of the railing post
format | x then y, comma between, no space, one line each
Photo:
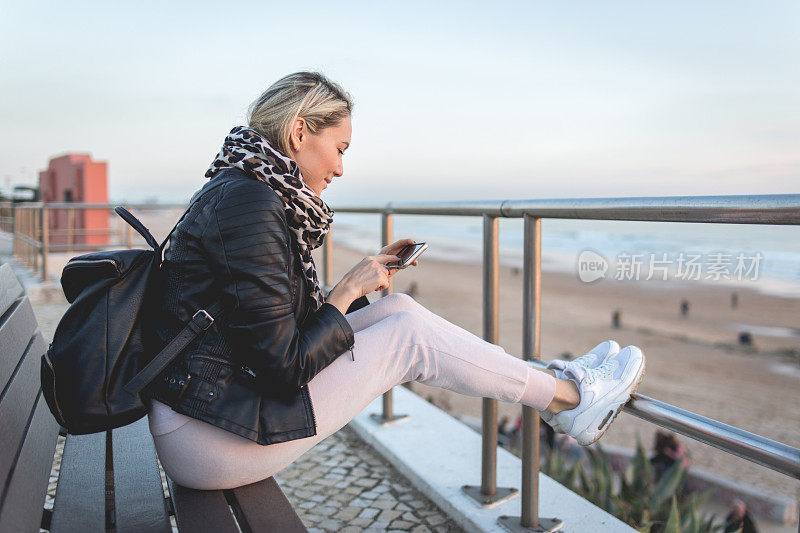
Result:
387,416
27,237
45,236
490,312
531,350
35,219
21,233
33,253
531,346
70,226
14,230
26,247
488,493
386,239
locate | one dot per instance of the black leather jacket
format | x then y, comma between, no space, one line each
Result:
248,373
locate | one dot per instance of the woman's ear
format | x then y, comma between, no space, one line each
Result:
297,133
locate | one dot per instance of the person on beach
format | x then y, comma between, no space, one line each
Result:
668,450
285,366
739,520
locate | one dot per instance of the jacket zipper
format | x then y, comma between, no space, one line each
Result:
288,254
313,414
214,359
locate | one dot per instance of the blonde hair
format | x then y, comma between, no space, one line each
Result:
307,95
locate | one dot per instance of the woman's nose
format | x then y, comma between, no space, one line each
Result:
339,169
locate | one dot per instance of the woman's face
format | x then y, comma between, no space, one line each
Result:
319,155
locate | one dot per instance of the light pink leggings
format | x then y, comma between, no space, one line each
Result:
397,340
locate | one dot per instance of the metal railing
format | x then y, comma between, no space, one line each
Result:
30,226
40,229
759,209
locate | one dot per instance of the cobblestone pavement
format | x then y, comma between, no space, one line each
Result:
344,485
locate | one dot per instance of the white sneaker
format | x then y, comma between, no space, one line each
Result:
604,391
594,358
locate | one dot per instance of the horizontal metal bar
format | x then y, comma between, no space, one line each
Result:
83,206
478,208
83,232
780,209
760,450
79,247
742,209
28,240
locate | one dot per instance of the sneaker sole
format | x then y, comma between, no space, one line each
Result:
617,408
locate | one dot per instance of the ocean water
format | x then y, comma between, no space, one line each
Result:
763,258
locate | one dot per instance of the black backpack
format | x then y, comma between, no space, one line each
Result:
101,356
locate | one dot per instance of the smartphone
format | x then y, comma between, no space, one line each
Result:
408,254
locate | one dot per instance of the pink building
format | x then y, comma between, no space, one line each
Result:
76,178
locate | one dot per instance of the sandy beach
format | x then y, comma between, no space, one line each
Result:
693,362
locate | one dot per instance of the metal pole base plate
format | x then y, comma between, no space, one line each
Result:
514,524
489,500
378,419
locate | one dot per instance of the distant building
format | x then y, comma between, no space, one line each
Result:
76,178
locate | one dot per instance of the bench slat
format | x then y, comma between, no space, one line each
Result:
27,488
201,510
264,507
80,495
10,289
138,494
17,405
16,330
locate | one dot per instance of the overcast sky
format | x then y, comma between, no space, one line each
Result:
452,100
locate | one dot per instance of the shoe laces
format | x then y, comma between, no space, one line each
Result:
604,371
586,361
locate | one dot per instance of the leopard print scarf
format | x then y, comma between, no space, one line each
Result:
309,218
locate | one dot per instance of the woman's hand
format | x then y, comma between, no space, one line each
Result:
395,248
369,275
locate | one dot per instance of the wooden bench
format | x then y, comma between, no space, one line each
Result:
107,481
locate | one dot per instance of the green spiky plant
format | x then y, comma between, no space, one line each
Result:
634,496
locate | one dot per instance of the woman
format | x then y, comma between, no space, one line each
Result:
269,379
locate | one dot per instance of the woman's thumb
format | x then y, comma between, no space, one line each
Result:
386,258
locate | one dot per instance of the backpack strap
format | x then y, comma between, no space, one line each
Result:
138,226
200,322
